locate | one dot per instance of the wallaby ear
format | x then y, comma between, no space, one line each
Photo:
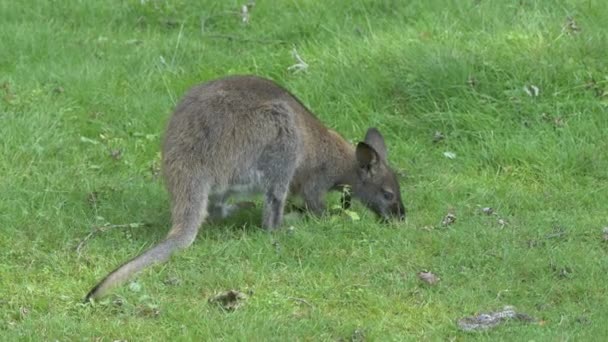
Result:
366,155
374,139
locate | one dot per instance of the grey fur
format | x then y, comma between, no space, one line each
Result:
246,134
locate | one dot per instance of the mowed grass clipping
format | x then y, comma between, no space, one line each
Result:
483,104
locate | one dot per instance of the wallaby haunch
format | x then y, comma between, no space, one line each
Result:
247,134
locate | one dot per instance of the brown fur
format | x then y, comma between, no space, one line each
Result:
247,134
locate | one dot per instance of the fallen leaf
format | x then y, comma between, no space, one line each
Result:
472,81
23,311
597,88
558,122
276,245
151,311
118,302
571,26
428,277
438,136
561,272
449,219
450,155
358,336
488,211
135,286
532,90
116,154
485,321
545,116
228,300
172,281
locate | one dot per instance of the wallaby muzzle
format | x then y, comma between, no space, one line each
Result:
396,212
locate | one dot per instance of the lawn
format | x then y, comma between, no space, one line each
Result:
484,104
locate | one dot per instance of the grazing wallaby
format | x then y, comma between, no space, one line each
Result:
247,134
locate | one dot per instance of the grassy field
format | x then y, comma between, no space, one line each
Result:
515,91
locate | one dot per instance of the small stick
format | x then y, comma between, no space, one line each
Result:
243,39
555,235
100,229
301,301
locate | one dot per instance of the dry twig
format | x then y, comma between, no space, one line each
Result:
243,39
300,300
101,229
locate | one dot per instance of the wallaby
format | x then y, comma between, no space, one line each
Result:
246,134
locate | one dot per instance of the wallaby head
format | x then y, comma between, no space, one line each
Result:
376,184
247,134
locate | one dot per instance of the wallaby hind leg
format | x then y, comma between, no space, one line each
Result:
274,202
189,209
277,163
278,175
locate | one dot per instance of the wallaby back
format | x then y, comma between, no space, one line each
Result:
246,134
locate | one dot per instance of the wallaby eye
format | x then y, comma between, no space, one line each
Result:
388,195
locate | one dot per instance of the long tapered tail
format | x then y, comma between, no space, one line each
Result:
157,254
190,197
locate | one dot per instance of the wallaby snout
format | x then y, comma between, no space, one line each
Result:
395,211
243,134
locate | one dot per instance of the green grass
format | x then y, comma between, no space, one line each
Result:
81,80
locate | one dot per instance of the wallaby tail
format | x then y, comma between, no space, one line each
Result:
188,213
157,254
